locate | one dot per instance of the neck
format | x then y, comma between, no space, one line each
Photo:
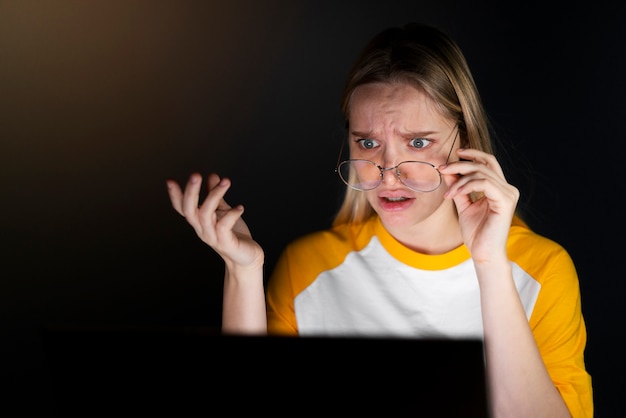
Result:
437,234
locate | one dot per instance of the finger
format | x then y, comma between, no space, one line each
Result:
474,175
499,193
226,224
466,171
215,199
214,181
176,195
477,181
460,173
190,199
482,158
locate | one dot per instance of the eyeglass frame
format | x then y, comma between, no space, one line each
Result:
383,169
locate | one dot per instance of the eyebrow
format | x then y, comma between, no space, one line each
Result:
420,134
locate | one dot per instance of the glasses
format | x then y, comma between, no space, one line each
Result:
418,176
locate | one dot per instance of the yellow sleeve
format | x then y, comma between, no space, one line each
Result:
301,263
557,322
281,317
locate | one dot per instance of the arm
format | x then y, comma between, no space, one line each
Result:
243,310
221,227
519,382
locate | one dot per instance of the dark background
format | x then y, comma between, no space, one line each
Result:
102,101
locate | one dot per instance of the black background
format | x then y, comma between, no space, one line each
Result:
102,101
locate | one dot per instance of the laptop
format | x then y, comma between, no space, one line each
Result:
195,371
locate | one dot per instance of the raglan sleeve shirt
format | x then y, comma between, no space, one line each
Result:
554,314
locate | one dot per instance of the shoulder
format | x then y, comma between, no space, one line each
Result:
522,239
303,259
538,255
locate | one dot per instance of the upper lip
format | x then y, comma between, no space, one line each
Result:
395,194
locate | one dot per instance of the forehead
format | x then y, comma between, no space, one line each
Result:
398,104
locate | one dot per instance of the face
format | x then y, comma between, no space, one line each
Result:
392,123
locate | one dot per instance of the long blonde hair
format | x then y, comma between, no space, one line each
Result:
429,60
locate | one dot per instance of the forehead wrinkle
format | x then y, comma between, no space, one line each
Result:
381,108
429,127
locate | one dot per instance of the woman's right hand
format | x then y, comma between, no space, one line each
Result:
216,222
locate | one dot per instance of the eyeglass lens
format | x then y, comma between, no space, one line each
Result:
365,175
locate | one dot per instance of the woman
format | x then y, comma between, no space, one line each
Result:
426,243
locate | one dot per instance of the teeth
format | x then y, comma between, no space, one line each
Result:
396,199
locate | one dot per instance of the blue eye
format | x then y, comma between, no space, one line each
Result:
368,143
419,142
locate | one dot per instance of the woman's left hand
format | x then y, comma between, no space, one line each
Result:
485,223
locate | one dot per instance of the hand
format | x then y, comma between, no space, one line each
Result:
485,223
215,221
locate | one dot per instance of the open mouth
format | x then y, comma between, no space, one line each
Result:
395,199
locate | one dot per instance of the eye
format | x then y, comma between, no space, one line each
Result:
367,143
419,142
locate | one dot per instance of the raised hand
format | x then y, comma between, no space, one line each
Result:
215,221
485,222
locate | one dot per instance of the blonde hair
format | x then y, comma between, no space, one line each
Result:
429,60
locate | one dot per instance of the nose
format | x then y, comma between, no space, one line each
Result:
389,175
388,170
